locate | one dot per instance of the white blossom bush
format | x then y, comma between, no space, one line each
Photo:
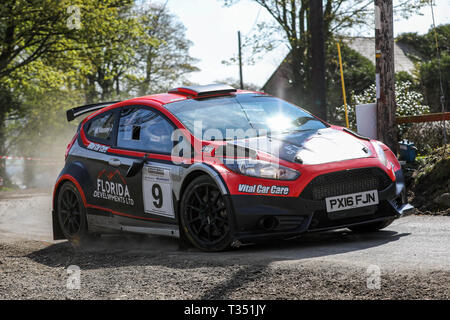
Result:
409,103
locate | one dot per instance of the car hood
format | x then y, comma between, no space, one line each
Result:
310,147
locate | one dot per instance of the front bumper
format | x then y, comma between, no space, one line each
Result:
297,215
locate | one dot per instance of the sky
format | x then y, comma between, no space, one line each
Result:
213,30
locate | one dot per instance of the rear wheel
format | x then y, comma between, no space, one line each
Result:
371,227
72,214
205,215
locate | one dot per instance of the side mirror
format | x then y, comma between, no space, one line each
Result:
135,168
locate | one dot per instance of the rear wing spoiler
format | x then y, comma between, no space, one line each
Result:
78,111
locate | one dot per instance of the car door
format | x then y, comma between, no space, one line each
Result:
145,131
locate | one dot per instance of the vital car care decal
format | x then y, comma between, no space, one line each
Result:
97,147
260,189
157,191
112,186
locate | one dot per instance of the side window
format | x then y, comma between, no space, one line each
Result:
145,130
101,127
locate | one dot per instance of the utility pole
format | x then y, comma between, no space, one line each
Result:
384,69
240,61
318,59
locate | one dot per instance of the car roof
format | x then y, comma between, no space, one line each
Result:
165,98
174,95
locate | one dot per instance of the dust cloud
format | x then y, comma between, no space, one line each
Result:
37,165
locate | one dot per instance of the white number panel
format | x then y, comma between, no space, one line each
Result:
157,191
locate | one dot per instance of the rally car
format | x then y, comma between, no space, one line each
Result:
218,167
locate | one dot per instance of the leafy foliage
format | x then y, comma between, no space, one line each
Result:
430,180
162,64
429,79
425,44
429,70
359,73
291,27
427,136
47,66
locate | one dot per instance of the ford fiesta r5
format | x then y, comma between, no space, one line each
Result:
216,167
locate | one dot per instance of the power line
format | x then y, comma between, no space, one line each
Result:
442,97
254,23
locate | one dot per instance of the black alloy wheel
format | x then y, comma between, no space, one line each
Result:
71,214
206,215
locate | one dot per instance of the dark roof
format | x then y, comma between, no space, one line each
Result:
365,46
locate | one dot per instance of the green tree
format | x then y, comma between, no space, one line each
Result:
28,30
33,35
291,27
425,45
166,62
144,50
103,58
430,71
429,77
36,127
107,65
359,74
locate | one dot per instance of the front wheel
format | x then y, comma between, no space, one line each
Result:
72,214
371,227
205,215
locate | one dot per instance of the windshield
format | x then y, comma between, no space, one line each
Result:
230,117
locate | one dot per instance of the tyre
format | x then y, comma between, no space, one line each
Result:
72,214
206,215
371,227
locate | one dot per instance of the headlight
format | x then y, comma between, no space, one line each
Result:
263,169
380,153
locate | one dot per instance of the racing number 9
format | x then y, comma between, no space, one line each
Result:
157,195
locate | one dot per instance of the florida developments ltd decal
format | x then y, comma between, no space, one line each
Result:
113,187
261,189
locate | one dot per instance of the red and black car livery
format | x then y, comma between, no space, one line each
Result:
217,166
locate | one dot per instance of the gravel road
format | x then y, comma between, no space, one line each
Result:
412,257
